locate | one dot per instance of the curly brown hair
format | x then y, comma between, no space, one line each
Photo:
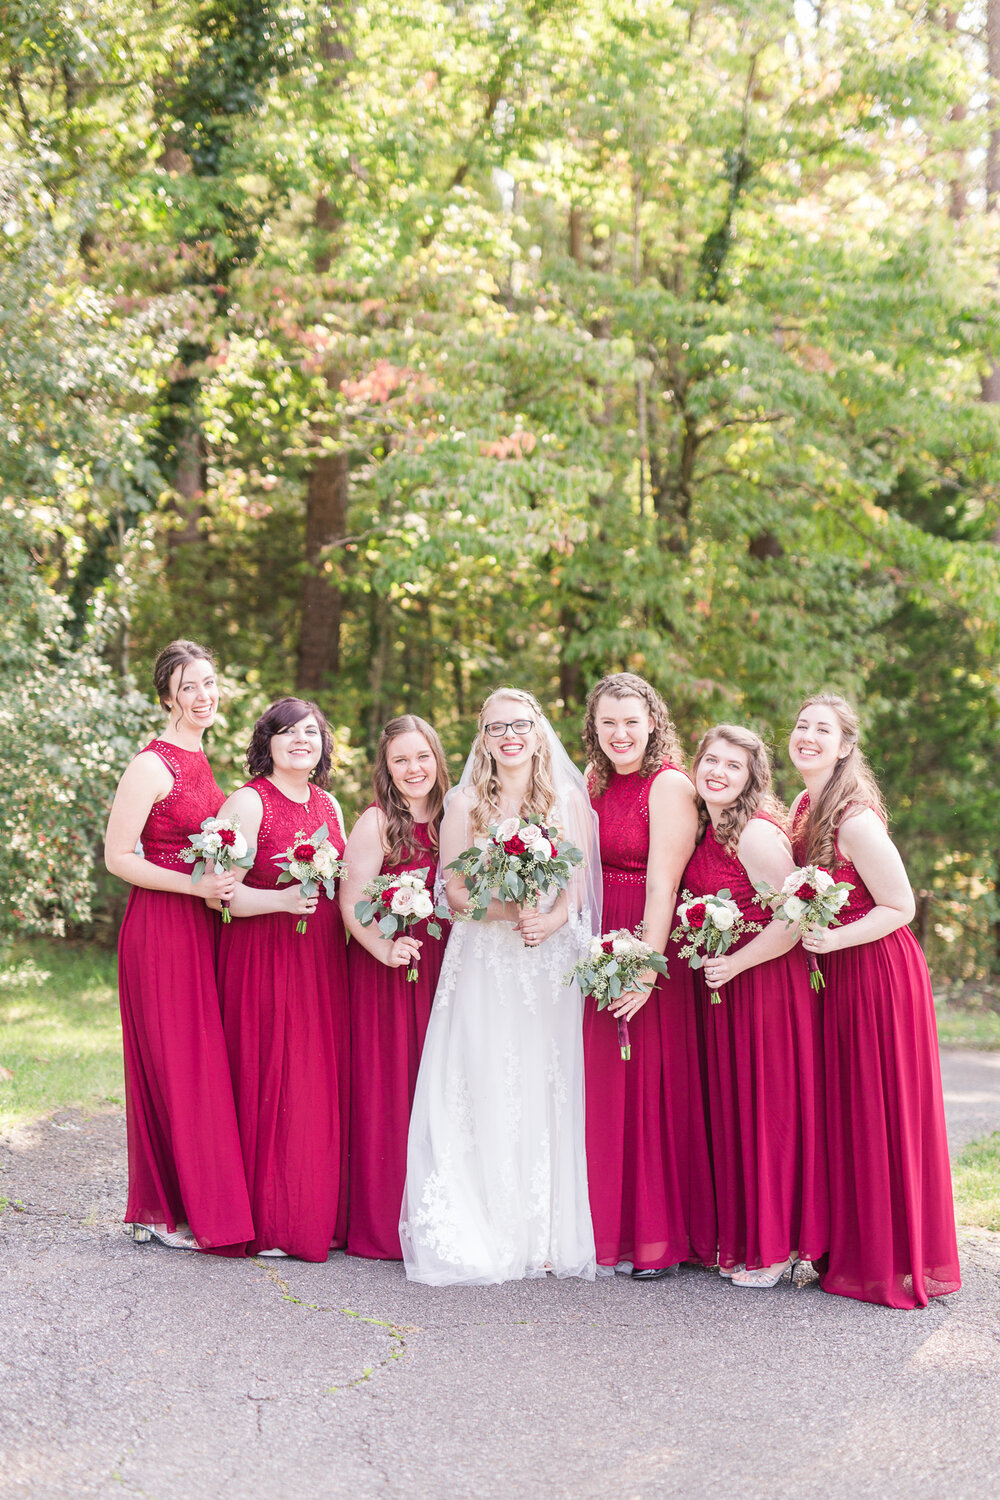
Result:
397,837
851,786
756,796
663,744
282,715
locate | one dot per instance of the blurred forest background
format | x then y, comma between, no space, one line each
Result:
399,349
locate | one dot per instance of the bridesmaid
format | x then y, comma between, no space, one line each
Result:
186,1183
764,1036
647,1151
892,1235
284,995
388,1013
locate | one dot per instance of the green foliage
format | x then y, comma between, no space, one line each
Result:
976,1179
645,333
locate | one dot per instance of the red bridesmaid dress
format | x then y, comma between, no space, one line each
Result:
389,1016
184,1159
763,1042
892,1218
287,1024
648,1162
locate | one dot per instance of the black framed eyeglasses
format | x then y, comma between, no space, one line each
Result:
517,726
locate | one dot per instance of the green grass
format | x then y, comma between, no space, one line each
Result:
976,1178
60,1036
962,1026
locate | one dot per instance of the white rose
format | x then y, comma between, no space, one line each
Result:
404,901
722,918
507,829
239,845
595,947
531,835
325,860
621,946
423,906
542,851
211,844
210,825
414,878
792,883
823,880
793,908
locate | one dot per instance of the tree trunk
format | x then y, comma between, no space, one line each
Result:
322,600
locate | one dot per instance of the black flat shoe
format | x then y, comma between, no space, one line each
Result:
654,1273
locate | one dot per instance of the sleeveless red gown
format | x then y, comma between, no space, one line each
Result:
892,1218
648,1162
389,1018
184,1160
765,1085
284,1007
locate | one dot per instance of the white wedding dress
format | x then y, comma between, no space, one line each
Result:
496,1171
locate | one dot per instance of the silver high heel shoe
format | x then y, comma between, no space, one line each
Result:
761,1279
178,1240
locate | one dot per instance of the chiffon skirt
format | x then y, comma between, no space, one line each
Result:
648,1163
184,1159
765,1084
287,1028
389,1016
892,1235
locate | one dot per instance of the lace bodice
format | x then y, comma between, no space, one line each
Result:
712,868
623,816
283,823
861,901
193,797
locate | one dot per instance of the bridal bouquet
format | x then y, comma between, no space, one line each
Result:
612,967
313,862
220,840
521,859
811,897
709,926
397,903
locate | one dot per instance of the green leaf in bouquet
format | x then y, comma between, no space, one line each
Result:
321,833
197,872
433,929
697,960
387,926
614,985
725,895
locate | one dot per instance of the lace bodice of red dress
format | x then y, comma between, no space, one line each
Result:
712,868
193,797
861,901
286,822
623,817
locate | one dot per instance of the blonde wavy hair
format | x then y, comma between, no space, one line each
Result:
663,744
851,786
484,780
756,796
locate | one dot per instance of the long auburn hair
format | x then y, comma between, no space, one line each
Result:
663,744
397,835
485,782
756,796
851,785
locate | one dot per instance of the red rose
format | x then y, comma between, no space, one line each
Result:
387,895
514,845
607,946
695,915
807,891
304,854
227,836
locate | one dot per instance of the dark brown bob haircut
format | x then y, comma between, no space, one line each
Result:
282,715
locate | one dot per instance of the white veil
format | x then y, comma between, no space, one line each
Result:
575,820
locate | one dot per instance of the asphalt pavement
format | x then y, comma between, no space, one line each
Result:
139,1371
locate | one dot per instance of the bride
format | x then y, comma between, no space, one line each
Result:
496,1174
